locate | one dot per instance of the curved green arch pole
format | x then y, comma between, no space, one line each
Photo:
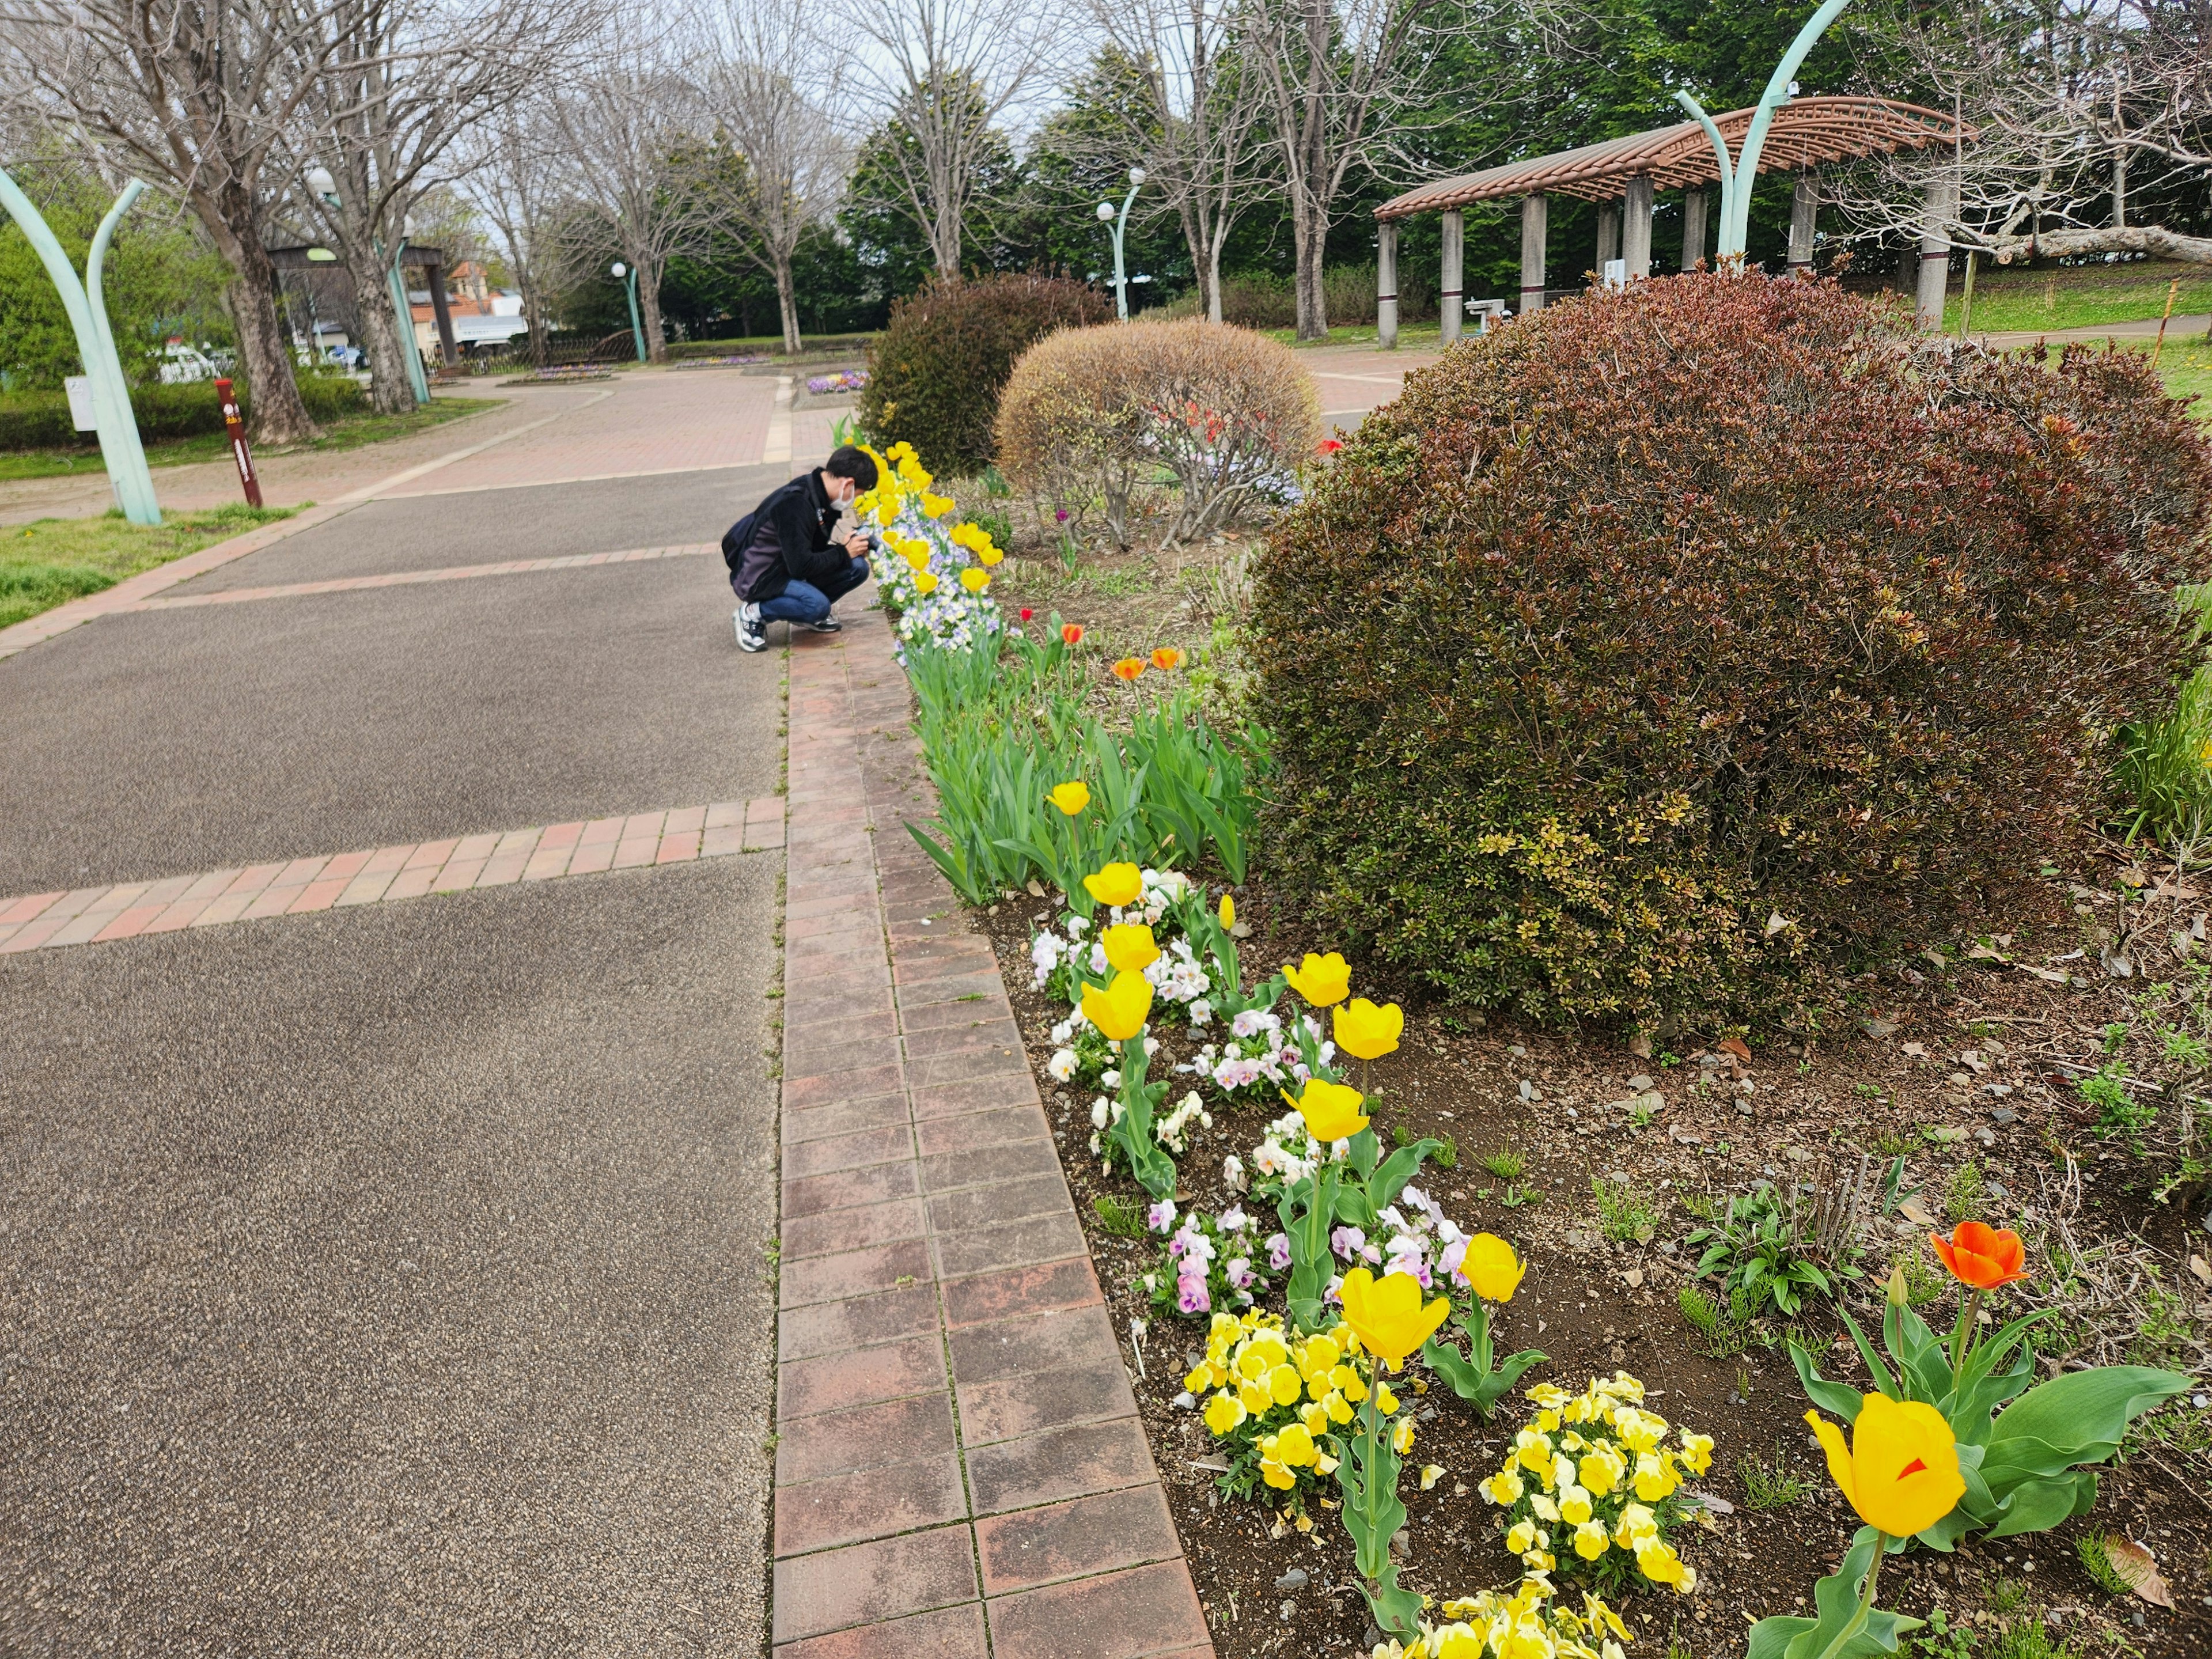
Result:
1738,178
120,448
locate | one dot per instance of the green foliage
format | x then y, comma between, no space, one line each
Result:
2119,1112
1487,642
1505,1164
1759,1250
160,278
935,372
2097,1561
1624,1211
1847,1627
1475,1377
1001,726
29,587
1771,1485
1119,1217
1721,1332
40,420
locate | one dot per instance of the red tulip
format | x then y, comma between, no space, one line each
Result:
1027,613
1070,634
1982,1256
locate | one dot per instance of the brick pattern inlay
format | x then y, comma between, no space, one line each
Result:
960,1470
95,915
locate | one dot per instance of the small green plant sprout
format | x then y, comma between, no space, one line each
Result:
1770,1484
2116,1036
2119,1112
1626,1213
1505,1164
1965,1195
1119,1217
1759,1246
2095,1551
1719,1331
2186,1049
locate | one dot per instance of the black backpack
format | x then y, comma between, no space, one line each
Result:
739,536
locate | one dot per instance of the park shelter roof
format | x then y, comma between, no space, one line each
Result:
1805,133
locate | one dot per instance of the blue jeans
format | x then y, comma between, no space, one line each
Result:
803,602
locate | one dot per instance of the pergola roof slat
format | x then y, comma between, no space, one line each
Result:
1805,133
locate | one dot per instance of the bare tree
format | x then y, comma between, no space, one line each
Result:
201,98
795,160
635,131
395,85
1196,123
514,179
2081,111
947,72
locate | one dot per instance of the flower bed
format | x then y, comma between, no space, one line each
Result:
845,380
1649,1445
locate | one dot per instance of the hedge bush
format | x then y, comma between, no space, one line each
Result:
1664,647
1088,412
40,420
1348,292
935,371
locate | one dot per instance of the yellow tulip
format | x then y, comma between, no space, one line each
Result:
1901,1470
1331,1109
1492,1268
935,506
989,554
1072,797
1119,1010
1117,884
1129,947
1387,1315
916,554
974,580
1366,1032
1322,980
1228,911
925,581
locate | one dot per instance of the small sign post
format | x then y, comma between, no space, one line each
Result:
82,414
234,423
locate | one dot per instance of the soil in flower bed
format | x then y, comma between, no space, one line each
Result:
1959,1068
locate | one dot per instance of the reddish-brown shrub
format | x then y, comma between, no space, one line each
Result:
1666,643
935,372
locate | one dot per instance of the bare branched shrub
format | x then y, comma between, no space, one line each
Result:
1090,413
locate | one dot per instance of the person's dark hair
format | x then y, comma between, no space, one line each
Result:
848,462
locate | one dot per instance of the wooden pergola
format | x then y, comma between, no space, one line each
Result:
1623,175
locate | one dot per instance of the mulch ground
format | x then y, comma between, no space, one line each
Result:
1896,1082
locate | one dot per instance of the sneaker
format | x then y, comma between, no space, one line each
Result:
752,633
827,625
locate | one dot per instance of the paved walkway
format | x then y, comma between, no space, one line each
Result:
960,1469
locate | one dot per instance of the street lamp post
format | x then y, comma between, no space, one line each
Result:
86,305
1119,228
628,278
318,180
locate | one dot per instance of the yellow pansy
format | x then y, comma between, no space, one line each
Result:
1535,1451
1574,1505
1504,1488
1285,1385
1601,1470
1521,1536
1385,1401
1402,1437
1591,1540
1224,1411
1697,1452
1655,1481
1256,1398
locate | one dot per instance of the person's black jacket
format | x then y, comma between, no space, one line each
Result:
792,542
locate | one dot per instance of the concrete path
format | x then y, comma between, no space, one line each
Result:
960,1469
390,1241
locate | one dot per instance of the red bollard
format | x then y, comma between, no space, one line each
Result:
234,423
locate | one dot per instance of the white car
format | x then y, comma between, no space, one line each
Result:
181,364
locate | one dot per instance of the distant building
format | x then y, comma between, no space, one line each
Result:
483,315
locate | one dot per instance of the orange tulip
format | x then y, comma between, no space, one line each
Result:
1982,1256
1166,657
1070,634
1128,668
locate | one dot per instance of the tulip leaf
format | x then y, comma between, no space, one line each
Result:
1471,1377
1838,1399
1400,1167
1843,1630
2082,1416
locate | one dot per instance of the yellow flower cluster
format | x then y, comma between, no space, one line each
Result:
978,540
1516,1624
1280,1393
907,466
912,548
1595,1464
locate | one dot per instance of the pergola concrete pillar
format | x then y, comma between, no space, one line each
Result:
1386,285
1452,290
1936,251
1636,227
1693,226
1533,218
1804,208
1608,235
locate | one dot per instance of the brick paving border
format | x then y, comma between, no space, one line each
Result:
383,875
960,1468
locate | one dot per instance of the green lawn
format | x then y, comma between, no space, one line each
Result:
51,561
2185,365
350,433
2078,296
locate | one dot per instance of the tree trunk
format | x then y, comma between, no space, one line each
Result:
1201,269
390,389
648,305
786,298
1213,279
279,417
1308,236
2153,239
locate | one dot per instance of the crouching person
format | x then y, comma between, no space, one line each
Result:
786,563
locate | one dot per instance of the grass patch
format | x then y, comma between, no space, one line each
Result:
2078,296
1770,1484
1505,1164
53,560
2099,1565
351,433
1119,1217
1624,1211
1721,1332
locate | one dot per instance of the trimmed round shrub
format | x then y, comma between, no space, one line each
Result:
1089,412
1666,646
935,371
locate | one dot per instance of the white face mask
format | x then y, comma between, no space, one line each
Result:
840,502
